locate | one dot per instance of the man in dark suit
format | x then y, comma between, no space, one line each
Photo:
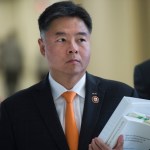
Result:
142,79
34,118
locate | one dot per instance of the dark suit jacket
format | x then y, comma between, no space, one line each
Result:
142,79
29,120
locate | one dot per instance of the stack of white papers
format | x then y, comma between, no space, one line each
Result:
131,119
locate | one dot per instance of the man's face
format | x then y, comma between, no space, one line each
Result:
66,46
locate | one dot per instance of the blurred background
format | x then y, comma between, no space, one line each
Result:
120,40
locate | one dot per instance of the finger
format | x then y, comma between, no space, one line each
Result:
120,142
90,147
94,146
100,143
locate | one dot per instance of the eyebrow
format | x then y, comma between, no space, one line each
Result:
60,33
82,33
79,33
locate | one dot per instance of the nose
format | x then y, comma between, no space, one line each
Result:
73,48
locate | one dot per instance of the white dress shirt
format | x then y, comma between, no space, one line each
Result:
60,103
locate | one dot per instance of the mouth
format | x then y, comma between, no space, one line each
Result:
73,61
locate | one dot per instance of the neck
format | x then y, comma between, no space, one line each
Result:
68,81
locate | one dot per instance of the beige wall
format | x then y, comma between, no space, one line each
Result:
120,37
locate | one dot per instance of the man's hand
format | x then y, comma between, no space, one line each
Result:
98,144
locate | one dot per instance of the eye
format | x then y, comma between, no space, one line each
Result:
82,40
61,40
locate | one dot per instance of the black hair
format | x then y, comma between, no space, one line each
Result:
63,9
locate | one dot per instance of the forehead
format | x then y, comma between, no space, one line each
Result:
68,24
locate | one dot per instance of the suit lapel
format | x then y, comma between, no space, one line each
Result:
92,107
44,101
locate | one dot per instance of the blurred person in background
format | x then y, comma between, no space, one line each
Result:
11,63
35,118
142,79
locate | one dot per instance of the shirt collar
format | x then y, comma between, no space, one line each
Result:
58,89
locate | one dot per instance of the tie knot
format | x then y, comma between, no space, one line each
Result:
69,96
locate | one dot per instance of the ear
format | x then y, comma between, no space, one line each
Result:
42,46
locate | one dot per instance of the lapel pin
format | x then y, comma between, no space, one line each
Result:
94,93
95,99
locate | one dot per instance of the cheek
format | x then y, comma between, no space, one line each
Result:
53,56
85,57
49,51
88,57
86,53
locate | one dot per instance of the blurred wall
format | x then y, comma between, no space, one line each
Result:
120,37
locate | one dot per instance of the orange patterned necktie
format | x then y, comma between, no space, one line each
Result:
71,130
